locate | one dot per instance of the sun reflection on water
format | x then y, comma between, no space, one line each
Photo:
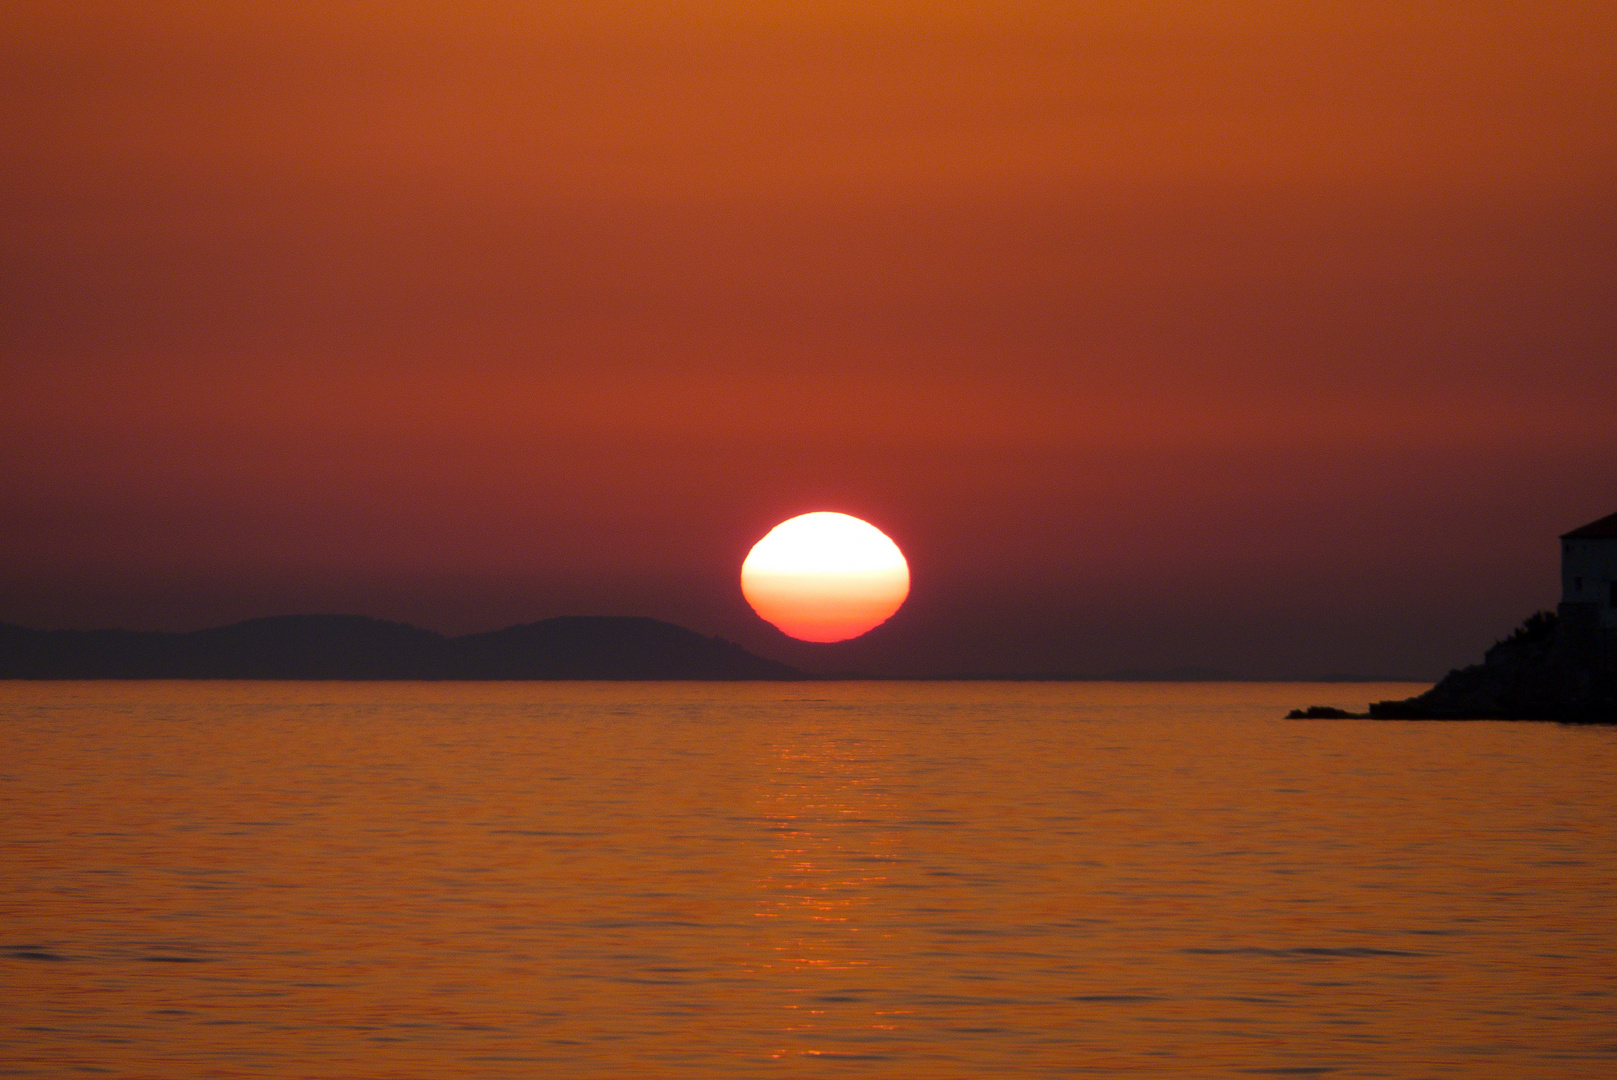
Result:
823,805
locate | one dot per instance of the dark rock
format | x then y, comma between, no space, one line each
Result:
1551,667
1545,670
1324,712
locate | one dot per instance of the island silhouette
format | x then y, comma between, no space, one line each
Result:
359,647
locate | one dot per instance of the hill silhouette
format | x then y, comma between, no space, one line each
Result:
357,647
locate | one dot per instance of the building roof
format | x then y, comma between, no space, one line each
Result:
1604,529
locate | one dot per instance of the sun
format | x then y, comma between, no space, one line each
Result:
825,577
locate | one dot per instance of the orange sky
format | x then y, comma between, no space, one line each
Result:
1274,337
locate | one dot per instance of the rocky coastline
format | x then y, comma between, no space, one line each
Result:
1550,668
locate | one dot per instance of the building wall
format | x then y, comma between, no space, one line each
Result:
1589,576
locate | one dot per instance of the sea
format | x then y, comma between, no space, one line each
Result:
841,880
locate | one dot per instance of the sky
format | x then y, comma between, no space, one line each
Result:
1278,338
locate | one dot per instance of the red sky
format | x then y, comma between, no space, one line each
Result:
1273,337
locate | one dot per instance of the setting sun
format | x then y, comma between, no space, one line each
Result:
825,577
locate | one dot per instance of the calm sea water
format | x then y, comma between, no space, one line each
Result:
837,880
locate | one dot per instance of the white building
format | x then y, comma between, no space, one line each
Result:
1589,574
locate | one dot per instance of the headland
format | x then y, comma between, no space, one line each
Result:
1549,668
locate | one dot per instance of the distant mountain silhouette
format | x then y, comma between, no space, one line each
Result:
356,647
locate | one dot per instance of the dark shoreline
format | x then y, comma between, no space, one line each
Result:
1550,669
